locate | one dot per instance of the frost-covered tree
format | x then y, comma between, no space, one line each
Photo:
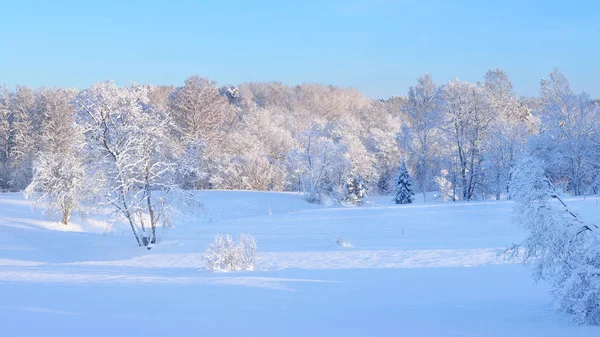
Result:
403,186
355,189
199,110
59,182
420,135
467,115
508,132
231,92
159,96
319,165
202,118
561,247
132,154
569,136
21,125
5,138
254,157
386,151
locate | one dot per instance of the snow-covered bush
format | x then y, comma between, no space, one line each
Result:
561,248
403,186
342,241
355,189
226,255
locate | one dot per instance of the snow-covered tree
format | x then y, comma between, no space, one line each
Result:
5,138
254,157
561,247
508,132
132,154
59,182
202,118
199,110
355,189
420,135
569,136
467,115
319,165
22,127
403,186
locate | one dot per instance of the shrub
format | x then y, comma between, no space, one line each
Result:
226,255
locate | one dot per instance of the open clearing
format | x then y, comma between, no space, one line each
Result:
427,269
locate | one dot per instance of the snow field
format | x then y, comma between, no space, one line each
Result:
426,269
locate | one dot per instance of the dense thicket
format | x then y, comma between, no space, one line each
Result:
459,138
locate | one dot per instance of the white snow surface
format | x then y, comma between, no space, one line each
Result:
426,269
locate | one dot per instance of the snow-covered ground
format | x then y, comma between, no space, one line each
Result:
427,269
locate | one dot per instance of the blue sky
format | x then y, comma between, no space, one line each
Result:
378,47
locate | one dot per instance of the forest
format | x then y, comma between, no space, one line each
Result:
458,138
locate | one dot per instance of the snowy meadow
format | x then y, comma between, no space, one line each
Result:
426,269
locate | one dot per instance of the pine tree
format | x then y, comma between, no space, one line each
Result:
403,182
355,189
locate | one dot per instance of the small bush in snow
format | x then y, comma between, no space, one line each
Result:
342,241
226,255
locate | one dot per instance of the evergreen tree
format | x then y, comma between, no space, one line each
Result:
403,182
355,189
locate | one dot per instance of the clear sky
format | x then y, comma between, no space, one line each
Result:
378,47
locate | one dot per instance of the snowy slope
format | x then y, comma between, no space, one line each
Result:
427,269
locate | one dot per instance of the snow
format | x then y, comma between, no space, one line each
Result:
426,269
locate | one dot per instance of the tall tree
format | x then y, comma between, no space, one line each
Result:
200,110
422,108
467,115
58,171
5,138
23,128
131,151
202,117
508,134
569,131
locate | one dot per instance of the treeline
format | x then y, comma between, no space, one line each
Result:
459,138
